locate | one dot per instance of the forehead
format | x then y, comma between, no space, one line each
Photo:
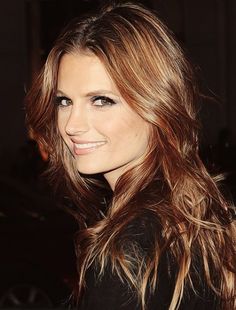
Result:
83,72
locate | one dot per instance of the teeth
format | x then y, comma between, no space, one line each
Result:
88,145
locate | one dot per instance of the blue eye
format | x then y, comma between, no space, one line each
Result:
62,101
101,101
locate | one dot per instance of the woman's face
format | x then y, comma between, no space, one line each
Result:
102,132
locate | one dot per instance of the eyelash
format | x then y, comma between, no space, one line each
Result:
59,100
106,101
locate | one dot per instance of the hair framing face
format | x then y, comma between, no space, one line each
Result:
154,78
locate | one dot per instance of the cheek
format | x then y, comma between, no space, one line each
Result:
111,128
123,129
125,135
61,122
139,136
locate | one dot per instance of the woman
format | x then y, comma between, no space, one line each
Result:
114,107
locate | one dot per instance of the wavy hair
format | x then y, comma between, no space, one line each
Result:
152,74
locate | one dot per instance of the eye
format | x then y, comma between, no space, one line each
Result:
62,101
101,101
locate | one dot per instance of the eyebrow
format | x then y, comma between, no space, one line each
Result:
92,93
59,92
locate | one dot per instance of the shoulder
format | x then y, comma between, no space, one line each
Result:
141,238
145,231
144,236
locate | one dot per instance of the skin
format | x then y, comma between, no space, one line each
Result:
104,135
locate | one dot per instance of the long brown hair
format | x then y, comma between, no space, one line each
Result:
153,76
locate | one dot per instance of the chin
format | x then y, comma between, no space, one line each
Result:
88,170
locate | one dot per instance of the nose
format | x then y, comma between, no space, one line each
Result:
77,122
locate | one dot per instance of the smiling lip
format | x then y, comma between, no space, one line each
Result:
83,148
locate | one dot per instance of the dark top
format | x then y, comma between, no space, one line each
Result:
110,293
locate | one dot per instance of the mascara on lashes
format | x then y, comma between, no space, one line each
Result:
58,100
108,101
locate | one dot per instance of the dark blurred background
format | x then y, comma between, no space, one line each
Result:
37,263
